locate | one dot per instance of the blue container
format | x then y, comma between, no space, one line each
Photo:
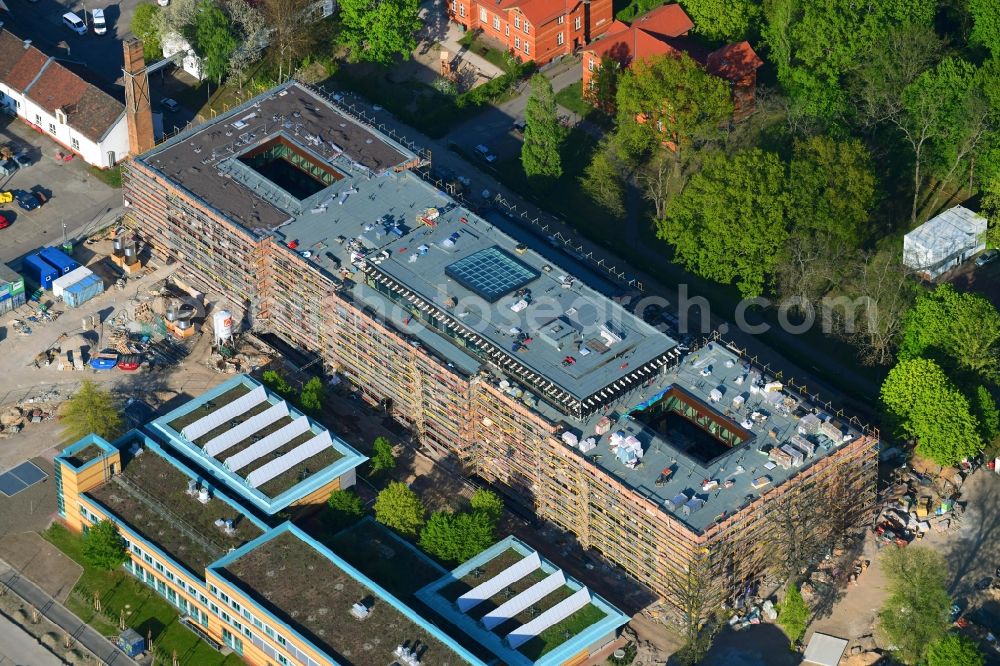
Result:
131,643
80,292
58,259
39,271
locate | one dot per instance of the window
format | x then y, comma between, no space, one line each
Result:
159,567
517,42
224,597
482,15
257,623
577,22
170,576
496,22
225,616
213,589
461,11
590,65
75,143
215,609
559,39
269,631
506,30
38,119
561,20
236,606
52,128
246,614
517,21
282,660
203,599
281,640
135,549
247,633
527,28
527,47
149,560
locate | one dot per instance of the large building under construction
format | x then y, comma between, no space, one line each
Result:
502,354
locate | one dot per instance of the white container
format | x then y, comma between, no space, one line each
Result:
59,285
222,324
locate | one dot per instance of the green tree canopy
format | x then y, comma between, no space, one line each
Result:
382,459
604,85
793,614
104,547
344,508
728,224
313,396
955,328
487,503
146,23
379,30
276,383
984,408
677,102
926,406
213,39
602,181
723,19
456,537
543,135
955,650
91,410
399,507
915,614
985,24
832,189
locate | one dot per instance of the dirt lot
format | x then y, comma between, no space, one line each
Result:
40,561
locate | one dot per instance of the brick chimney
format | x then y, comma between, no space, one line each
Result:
138,113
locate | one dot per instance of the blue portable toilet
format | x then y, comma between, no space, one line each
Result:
39,270
58,259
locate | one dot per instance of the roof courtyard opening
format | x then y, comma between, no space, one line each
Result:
290,167
692,426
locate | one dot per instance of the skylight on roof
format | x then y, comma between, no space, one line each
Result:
491,273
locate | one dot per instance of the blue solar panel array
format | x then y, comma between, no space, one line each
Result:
491,273
20,478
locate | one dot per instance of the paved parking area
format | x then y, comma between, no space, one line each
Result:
76,197
41,22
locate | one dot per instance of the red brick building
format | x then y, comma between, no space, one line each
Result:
664,31
538,30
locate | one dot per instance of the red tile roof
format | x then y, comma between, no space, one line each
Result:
540,12
49,84
733,61
666,20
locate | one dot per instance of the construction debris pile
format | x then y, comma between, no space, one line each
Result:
14,418
920,501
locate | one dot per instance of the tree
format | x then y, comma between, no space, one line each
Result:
398,507
104,547
146,22
602,182
728,224
344,508
379,30
669,100
487,503
955,650
543,134
293,31
926,406
723,19
693,591
213,40
793,614
382,459
810,266
274,381
456,537
832,188
876,296
313,396
985,24
604,85
91,410
253,36
955,328
984,409
915,614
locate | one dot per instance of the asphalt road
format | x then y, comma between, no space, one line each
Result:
41,22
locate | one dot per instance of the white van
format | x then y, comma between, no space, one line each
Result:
75,23
97,20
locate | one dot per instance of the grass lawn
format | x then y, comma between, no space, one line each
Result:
111,177
571,97
560,632
148,611
480,47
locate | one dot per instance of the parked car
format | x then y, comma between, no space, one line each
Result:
987,257
519,126
169,105
100,26
74,23
5,220
29,201
484,153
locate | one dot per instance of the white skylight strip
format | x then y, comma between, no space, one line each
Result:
532,595
234,436
270,443
557,613
511,574
225,413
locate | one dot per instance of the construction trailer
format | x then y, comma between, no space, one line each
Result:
326,272
39,271
944,242
59,260
11,289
